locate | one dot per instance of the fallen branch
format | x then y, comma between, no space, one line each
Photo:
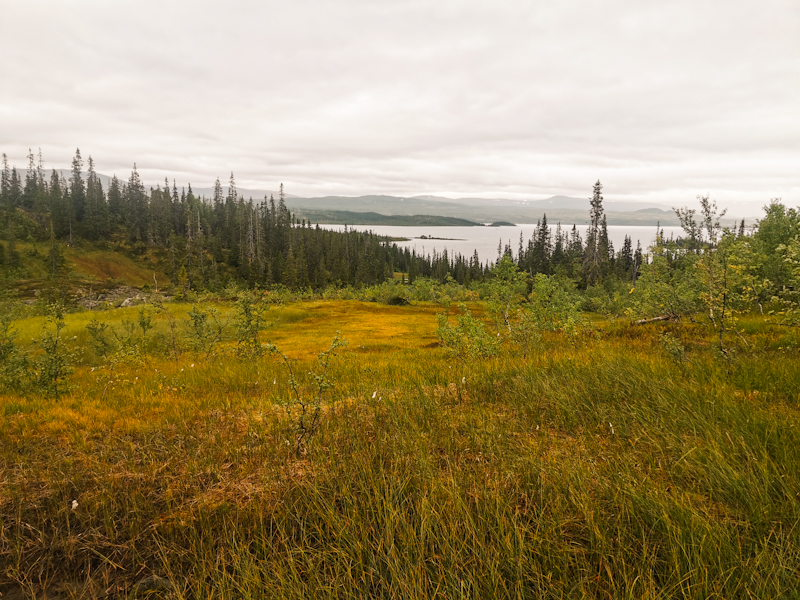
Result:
654,319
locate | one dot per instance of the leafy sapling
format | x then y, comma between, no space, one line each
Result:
250,321
175,349
467,338
206,329
144,319
54,365
304,404
507,289
101,344
673,347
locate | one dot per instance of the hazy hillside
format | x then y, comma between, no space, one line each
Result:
558,209
564,209
343,217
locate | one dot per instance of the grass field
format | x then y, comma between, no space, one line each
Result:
599,467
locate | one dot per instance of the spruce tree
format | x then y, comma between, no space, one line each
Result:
232,213
625,260
41,203
77,188
637,263
96,218
178,208
31,190
14,190
557,257
592,264
40,170
542,248
218,203
116,203
5,181
605,249
136,207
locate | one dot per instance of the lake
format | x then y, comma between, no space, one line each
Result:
466,240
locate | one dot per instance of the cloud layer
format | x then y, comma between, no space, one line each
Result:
661,101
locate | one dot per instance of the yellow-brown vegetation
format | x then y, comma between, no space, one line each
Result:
595,467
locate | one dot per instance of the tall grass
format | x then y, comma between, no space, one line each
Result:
602,468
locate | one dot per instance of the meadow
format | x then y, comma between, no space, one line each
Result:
621,462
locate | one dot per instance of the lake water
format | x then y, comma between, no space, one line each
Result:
466,240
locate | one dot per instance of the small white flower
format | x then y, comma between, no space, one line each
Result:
463,380
192,365
74,504
181,370
274,381
375,393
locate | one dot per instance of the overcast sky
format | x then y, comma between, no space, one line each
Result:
661,101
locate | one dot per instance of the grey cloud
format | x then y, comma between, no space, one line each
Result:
661,101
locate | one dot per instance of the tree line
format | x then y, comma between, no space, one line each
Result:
207,243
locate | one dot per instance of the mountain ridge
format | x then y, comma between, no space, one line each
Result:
558,208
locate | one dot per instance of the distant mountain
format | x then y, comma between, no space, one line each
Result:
654,211
341,217
485,210
246,193
563,209
559,202
67,173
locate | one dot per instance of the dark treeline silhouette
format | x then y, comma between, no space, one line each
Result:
207,242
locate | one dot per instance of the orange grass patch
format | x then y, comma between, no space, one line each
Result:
367,327
109,265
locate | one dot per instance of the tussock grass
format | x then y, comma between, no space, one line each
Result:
601,468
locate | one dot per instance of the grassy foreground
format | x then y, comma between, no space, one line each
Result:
603,468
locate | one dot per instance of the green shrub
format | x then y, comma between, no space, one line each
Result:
206,329
304,403
53,366
554,306
249,321
467,338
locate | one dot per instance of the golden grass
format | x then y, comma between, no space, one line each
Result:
368,328
87,265
598,468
